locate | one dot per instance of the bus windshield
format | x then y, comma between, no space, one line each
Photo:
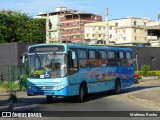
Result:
47,65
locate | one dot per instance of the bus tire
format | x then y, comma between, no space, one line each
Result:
81,94
117,87
49,99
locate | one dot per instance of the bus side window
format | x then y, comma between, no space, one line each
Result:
102,55
120,58
111,58
92,60
72,62
129,58
83,58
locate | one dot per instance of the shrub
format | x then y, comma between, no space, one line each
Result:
144,69
149,73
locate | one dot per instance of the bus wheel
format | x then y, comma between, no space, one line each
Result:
49,99
81,94
117,87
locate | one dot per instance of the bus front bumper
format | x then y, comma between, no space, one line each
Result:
34,92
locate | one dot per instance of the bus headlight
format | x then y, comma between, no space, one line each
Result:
29,87
59,87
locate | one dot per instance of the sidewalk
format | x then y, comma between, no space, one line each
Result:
5,103
149,95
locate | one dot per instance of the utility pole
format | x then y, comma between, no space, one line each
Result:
159,25
107,30
47,29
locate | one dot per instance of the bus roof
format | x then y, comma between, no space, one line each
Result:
99,47
79,46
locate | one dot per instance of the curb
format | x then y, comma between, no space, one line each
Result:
144,101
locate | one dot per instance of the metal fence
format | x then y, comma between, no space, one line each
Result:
11,73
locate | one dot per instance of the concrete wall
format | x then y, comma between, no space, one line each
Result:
148,56
10,53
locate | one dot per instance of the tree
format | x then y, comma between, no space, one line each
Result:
19,27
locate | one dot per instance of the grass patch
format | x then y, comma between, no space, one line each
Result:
8,87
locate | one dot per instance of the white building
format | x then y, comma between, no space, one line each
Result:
153,28
126,31
95,32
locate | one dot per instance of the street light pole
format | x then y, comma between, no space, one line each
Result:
137,62
107,31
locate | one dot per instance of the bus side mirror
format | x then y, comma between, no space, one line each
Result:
23,59
73,55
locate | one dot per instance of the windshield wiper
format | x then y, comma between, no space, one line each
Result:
53,60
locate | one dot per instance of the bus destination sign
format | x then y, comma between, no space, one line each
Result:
50,48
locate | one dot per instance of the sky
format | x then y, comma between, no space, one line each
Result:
117,8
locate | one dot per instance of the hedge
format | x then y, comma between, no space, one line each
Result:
149,73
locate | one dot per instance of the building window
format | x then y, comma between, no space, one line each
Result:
135,38
135,30
145,38
74,36
116,24
76,30
111,36
135,23
81,23
62,30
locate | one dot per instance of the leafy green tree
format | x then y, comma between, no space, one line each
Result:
19,27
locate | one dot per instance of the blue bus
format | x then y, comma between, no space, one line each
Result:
65,70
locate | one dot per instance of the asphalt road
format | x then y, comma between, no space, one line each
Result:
95,102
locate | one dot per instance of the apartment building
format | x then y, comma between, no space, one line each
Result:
65,25
153,28
126,31
95,32
130,31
